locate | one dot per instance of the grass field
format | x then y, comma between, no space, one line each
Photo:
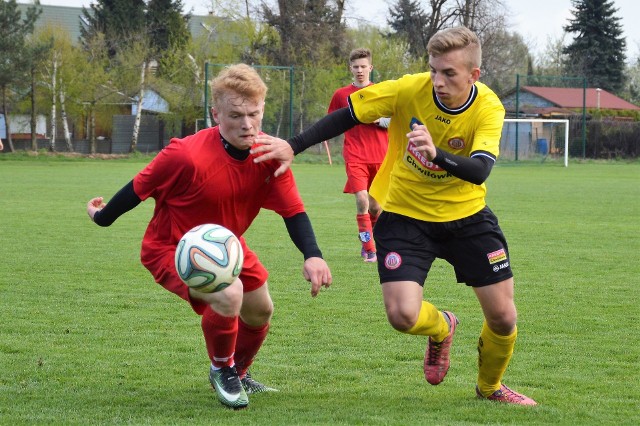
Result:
87,337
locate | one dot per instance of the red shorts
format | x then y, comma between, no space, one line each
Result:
360,176
163,269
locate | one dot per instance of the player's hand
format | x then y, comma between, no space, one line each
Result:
94,205
270,148
420,136
316,271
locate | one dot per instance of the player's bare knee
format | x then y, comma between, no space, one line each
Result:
400,320
258,315
503,323
362,202
228,301
268,312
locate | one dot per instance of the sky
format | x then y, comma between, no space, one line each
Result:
536,20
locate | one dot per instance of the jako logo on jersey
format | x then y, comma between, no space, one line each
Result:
421,159
456,143
444,120
497,256
392,260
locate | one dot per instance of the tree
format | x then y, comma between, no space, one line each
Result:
311,31
167,29
97,83
391,57
416,25
504,55
130,78
633,82
598,47
14,30
36,51
552,59
65,76
121,22
138,39
410,23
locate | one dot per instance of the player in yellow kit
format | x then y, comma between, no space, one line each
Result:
443,142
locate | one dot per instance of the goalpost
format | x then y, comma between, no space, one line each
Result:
535,138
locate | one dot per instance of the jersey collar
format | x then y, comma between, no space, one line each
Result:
472,96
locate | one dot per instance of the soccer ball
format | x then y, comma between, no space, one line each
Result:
209,258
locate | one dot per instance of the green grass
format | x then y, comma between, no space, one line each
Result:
87,337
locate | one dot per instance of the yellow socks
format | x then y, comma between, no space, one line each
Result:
494,354
494,351
430,322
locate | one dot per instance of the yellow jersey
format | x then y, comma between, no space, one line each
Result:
408,183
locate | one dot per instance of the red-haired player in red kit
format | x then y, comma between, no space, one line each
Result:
210,177
364,149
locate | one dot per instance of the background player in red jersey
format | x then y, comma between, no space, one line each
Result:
364,149
210,177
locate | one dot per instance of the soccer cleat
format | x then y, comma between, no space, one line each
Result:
251,386
226,383
504,394
368,256
436,358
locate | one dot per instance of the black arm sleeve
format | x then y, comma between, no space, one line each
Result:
124,200
474,169
301,233
329,126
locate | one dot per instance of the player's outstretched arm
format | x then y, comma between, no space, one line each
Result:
95,205
315,269
317,272
105,214
328,127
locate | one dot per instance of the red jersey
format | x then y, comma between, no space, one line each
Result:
364,143
195,181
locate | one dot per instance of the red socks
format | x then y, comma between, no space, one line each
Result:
225,335
220,334
249,342
374,219
365,232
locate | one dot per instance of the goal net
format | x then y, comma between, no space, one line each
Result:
526,139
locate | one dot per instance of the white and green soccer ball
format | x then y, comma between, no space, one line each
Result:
209,258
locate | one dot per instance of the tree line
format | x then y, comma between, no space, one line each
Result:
127,47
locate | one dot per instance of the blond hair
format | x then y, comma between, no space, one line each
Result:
240,79
449,39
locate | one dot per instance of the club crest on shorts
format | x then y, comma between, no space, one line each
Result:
392,260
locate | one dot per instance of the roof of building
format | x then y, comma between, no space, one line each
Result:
64,17
575,97
68,18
